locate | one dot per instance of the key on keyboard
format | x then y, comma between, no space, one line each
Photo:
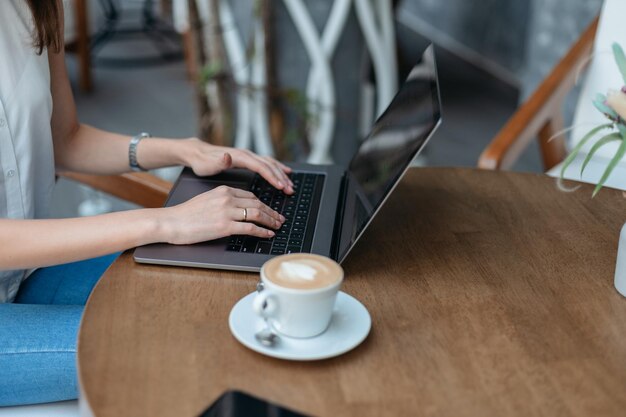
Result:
299,209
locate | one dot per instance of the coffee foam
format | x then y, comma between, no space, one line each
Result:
303,271
299,270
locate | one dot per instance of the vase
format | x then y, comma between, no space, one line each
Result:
620,265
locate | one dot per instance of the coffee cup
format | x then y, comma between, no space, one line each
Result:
298,293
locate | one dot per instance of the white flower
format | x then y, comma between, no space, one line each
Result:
617,101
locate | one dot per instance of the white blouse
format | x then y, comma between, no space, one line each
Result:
26,152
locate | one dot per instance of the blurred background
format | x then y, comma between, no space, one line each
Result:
209,68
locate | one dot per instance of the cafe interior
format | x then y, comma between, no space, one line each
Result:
452,191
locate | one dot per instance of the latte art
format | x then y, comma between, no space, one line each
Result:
303,271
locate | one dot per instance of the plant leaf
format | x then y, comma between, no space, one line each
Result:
614,161
599,104
611,137
620,59
570,158
210,71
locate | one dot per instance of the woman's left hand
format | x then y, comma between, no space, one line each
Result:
206,159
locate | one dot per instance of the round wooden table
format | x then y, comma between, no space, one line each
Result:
491,294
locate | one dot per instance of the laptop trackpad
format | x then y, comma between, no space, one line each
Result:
188,188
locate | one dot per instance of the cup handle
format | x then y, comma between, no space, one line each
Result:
265,304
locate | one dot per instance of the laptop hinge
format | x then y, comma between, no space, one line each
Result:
341,202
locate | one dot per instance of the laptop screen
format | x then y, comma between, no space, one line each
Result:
396,138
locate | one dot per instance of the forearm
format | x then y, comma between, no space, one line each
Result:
36,243
94,151
208,216
82,148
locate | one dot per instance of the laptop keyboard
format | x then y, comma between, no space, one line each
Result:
299,209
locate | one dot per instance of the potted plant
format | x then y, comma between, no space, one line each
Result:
613,106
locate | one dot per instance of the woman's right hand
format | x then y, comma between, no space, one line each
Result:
216,214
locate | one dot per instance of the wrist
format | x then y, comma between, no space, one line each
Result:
132,151
152,226
188,151
161,152
163,229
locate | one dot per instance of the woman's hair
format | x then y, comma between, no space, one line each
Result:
46,16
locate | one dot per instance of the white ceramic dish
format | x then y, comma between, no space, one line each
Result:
349,326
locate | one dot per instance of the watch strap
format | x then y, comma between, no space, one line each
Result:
132,151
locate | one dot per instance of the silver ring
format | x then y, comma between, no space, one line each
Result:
245,214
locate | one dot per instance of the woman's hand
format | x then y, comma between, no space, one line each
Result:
206,159
216,214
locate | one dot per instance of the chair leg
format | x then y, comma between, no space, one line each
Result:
190,58
552,148
166,8
82,43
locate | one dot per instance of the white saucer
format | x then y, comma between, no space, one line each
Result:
349,326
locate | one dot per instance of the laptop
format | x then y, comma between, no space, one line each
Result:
332,207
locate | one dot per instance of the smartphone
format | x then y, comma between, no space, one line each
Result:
239,404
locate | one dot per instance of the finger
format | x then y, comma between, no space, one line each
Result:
286,170
267,172
249,203
245,199
241,228
226,161
257,216
279,173
259,165
280,168
284,167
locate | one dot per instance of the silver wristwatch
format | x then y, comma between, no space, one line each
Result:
132,151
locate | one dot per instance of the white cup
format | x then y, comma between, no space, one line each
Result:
297,312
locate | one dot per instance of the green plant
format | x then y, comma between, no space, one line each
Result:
613,106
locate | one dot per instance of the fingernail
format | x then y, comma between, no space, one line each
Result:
270,233
280,184
282,218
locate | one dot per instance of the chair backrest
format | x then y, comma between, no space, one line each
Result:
541,115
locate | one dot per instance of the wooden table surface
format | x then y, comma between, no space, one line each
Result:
491,294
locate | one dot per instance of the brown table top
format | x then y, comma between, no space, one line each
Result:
491,294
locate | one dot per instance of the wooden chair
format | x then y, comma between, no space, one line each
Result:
80,45
541,115
141,188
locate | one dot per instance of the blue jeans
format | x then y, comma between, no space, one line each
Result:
38,333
